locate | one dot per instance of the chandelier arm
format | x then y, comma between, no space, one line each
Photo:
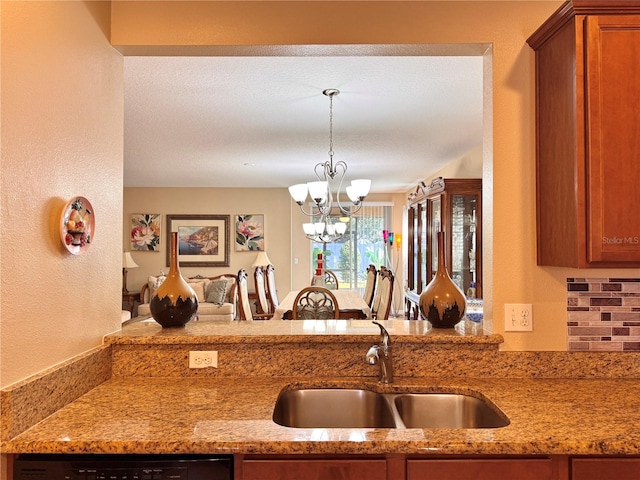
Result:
309,213
325,171
344,210
325,238
326,208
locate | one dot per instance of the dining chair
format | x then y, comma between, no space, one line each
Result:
272,294
330,280
378,291
386,295
315,303
370,286
243,299
259,277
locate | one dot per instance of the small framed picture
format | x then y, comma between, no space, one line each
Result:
203,240
249,233
145,232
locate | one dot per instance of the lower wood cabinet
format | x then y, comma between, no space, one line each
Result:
399,467
605,468
312,469
483,469
412,467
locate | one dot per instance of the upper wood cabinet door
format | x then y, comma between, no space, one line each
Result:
613,147
588,135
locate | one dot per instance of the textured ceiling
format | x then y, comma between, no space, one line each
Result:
262,121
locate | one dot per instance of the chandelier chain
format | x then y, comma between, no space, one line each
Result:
331,128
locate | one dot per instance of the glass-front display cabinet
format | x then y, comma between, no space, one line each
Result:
455,207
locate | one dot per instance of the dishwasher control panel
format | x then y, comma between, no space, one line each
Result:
122,467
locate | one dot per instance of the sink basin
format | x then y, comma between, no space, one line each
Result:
447,410
333,408
360,408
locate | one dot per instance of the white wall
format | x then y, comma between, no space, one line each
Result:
62,136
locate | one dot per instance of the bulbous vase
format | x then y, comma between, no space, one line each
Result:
442,303
173,303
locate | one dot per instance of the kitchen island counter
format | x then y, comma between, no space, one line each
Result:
137,393
233,415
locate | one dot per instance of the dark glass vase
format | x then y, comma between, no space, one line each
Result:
442,303
173,303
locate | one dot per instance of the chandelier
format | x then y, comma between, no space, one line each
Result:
321,192
326,230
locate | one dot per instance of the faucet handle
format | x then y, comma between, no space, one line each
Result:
385,339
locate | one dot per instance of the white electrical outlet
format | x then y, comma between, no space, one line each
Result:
518,317
203,359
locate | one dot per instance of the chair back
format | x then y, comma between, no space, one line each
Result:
386,295
261,290
370,286
243,296
272,294
330,280
315,303
378,291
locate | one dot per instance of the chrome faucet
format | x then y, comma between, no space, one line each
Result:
380,354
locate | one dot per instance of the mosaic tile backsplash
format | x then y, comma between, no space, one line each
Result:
603,314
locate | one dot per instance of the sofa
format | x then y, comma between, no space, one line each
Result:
213,302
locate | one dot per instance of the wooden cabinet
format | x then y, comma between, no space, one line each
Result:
483,469
605,468
588,135
455,207
312,469
399,467
413,467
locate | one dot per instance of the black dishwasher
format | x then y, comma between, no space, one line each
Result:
122,467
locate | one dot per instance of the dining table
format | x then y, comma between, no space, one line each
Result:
350,304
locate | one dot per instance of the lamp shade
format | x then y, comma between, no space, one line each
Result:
358,189
318,191
262,260
299,192
127,260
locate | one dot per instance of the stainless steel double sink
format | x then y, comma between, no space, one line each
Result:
361,408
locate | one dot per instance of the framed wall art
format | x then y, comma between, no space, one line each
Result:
203,240
249,233
145,232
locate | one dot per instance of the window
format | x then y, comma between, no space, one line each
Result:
361,245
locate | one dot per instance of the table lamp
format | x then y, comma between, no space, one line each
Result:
262,260
127,262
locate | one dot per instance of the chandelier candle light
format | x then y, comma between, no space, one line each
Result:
321,192
324,231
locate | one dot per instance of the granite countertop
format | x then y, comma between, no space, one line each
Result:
146,331
147,399
233,415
